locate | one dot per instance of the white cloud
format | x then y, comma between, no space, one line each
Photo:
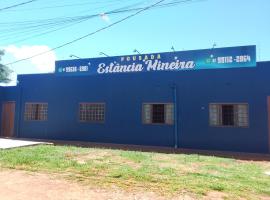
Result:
13,78
43,63
105,17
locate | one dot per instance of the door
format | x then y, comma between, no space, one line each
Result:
8,113
268,104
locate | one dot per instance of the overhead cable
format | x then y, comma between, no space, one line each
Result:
17,5
90,34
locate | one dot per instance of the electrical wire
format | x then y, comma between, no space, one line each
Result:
61,23
9,27
49,25
17,5
92,33
61,6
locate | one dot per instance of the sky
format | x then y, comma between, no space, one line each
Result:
186,26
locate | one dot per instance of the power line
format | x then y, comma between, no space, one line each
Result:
49,26
17,5
122,9
61,23
59,6
65,5
48,31
17,27
90,34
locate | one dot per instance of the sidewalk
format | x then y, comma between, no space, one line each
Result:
7,143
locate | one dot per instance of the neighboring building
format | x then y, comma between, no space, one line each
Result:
215,99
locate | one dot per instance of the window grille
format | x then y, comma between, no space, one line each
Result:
92,112
36,112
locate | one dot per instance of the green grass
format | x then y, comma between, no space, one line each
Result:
167,174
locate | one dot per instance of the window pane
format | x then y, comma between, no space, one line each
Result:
214,114
169,113
158,113
228,115
147,117
242,115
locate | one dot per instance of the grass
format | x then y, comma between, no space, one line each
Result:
166,174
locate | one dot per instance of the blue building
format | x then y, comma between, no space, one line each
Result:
215,99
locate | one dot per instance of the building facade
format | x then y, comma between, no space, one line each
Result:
220,101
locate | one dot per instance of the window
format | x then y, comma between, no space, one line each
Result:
157,113
92,112
228,115
36,112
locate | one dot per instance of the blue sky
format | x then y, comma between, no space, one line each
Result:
187,26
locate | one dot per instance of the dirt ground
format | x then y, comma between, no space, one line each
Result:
21,185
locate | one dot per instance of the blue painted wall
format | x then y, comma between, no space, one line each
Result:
124,95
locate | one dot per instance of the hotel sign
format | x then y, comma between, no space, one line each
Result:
232,57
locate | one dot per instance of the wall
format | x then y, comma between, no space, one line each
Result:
124,95
218,86
123,108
